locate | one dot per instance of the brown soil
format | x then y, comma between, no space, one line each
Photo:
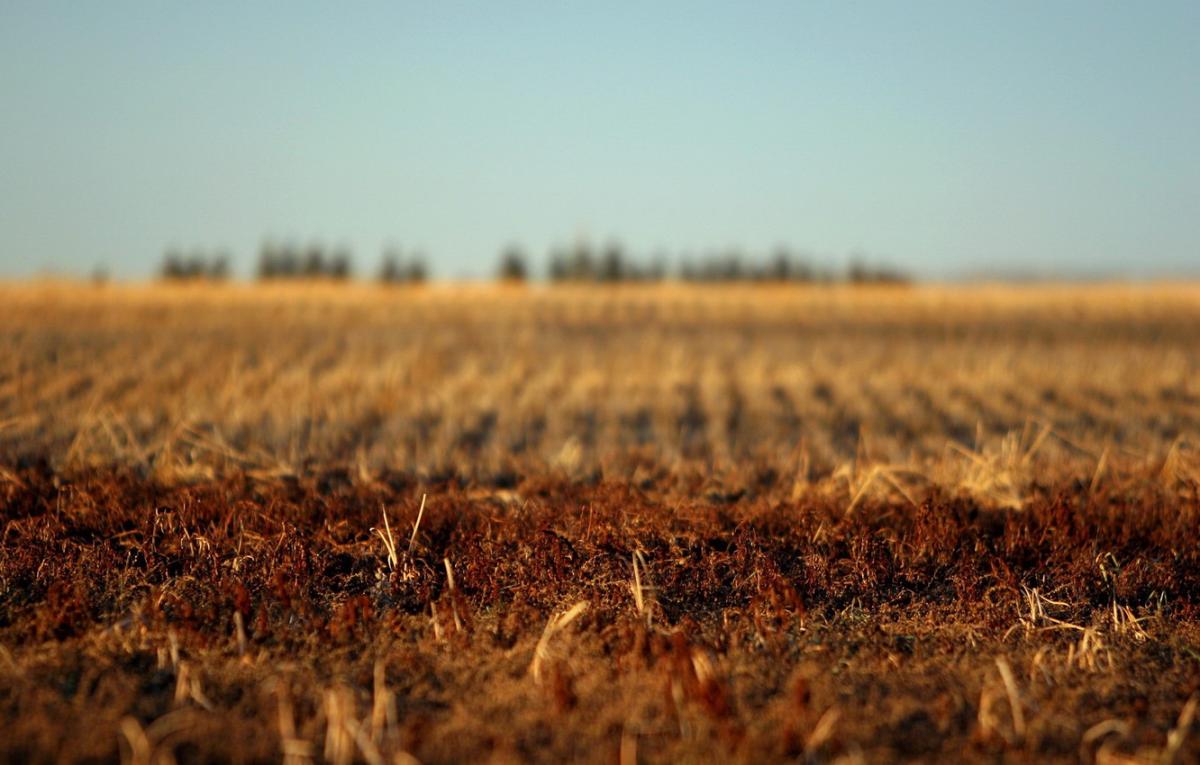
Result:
239,619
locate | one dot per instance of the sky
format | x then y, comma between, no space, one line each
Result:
950,139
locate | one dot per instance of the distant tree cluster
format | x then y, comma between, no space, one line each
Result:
514,265
785,267
582,264
734,266
194,266
312,262
608,265
398,267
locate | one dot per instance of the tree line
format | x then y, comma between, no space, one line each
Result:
180,266
612,265
581,263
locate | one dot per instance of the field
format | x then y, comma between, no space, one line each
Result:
652,523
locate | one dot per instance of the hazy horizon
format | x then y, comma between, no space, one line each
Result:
947,139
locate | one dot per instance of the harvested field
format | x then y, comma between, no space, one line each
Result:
660,524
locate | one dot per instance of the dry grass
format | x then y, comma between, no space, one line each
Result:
644,524
869,391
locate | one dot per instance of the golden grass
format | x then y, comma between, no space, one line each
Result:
864,392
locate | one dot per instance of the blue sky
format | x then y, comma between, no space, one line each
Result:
948,138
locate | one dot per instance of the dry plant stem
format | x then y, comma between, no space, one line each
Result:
1014,698
557,623
412,540
389,543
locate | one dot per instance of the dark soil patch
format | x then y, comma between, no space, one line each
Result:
239,620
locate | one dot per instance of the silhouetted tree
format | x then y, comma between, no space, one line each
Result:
582,266
279,261
613,267
268,261
781,268
314,262
218,269
197,265
340,265
390,266
513,265
857,273
732,267
417,272
559,267
172,265
290,262
398,268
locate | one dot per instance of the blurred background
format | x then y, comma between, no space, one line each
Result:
931,140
